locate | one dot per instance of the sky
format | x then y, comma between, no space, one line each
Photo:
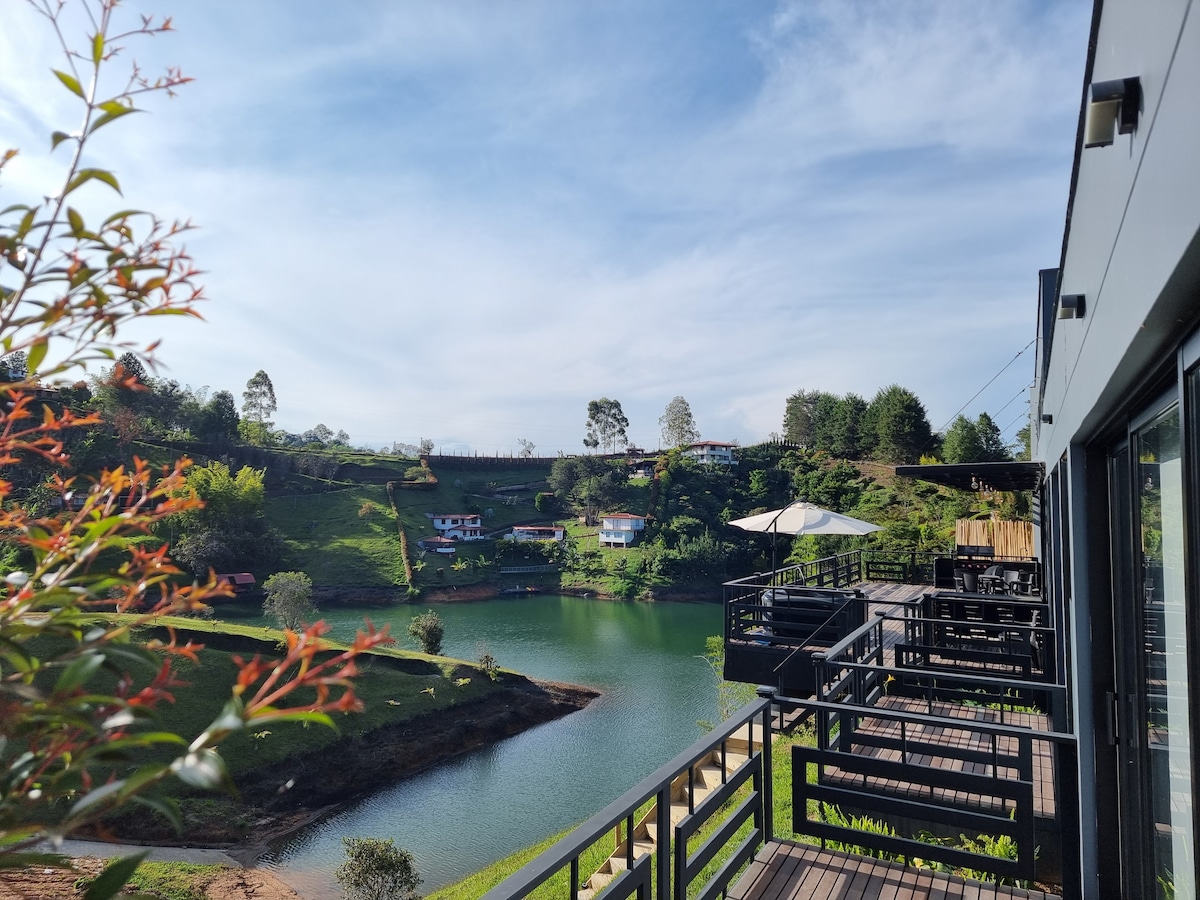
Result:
464,220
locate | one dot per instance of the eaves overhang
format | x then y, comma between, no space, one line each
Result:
995,476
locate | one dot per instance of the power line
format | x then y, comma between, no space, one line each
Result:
986,386
1019,393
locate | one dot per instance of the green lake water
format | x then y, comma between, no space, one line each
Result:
461,815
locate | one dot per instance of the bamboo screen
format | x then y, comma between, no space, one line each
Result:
1005,538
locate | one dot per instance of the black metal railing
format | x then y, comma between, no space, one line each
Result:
918,775
671,870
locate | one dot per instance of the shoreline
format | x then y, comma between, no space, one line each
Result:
382,758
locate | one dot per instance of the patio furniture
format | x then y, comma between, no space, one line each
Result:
1012,581
992,581
966,580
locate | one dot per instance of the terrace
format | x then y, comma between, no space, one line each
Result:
938,758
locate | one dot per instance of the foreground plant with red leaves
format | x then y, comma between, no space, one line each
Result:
79,689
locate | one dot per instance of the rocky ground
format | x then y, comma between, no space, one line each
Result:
232,883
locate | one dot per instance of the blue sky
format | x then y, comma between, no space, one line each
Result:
465,220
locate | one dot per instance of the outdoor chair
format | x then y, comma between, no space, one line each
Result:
966,580
1013,582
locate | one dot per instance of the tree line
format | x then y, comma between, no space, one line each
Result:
892,428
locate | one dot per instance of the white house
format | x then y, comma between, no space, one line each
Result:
457,526
620,529
522,533
711,453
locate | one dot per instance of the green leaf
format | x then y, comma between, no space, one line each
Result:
71,82
98,47
57,138
99,795
106,117
114,877
165,807
36,354
76,221
86,175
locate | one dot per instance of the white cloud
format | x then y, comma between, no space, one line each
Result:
464,222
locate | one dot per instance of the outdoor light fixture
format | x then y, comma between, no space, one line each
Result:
974,483
1047,418
1116,102
1070,306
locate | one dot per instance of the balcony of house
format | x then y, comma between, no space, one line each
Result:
924,730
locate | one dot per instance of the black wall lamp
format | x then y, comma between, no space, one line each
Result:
1047,418
1070,306
1116,102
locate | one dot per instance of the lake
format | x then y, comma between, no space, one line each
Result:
463,814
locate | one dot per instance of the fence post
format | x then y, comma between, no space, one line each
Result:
767,693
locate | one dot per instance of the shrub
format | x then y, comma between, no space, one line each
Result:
487,662
376,869
428,631
289,599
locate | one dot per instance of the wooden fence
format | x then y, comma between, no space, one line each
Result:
1006,538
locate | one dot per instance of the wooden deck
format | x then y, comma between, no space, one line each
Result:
783,870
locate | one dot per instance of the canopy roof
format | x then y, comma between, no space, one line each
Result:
997,476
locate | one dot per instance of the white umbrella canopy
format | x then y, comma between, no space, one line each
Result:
804,518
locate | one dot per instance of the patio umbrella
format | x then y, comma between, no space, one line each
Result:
802,518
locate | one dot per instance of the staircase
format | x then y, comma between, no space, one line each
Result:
706,777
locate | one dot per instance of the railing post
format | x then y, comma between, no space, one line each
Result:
767,693
663,862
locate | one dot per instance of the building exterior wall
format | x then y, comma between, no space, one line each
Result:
1132,248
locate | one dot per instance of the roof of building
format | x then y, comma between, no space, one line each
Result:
997,476
621,516
435,539
710,444
452,515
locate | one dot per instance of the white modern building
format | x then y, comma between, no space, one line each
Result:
712,453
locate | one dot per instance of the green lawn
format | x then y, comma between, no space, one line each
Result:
329,541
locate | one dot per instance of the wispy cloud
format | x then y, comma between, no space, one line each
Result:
465,221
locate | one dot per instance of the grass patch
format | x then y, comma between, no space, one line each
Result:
171,880
330,542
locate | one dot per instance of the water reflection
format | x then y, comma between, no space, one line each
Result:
458,817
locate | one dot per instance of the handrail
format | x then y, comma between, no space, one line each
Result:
804,644
568,850
860,632
981,725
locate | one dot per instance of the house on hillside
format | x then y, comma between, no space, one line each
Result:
522,533
711,453
620,529
457,526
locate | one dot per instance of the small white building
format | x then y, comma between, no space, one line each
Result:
711,453
620,529
457,526
522,533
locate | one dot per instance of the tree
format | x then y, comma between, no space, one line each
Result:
962,443
902,430
846,429
425,447
377,869
428,630
991,443
289,600
606,424
219,418
77,690
258,405
797,417
678,425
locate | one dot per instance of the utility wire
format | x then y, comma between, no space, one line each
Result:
1018,394
986,386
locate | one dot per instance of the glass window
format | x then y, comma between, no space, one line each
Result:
1159,557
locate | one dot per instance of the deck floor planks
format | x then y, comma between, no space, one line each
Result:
783,870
